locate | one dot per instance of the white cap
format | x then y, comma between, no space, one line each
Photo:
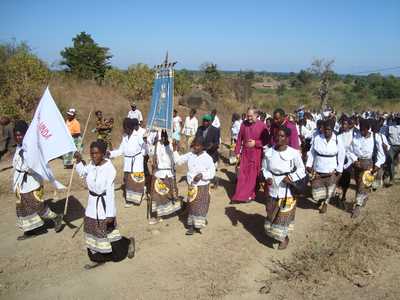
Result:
71,112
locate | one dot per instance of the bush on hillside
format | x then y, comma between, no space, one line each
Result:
23,78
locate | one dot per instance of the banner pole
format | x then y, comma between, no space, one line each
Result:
73,167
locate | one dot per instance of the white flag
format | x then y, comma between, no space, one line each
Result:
47,138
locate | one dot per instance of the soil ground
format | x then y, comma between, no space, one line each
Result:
232,259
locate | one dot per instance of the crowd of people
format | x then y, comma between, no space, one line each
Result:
284,156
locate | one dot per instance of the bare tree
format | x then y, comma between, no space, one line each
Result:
322,68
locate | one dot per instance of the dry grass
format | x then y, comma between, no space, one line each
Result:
345,248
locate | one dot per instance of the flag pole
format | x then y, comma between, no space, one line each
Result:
73,167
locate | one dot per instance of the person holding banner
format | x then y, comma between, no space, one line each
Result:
75,130
201,170
164,191
133,148
28,186
103,240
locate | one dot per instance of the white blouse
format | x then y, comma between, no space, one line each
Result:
165,160
363,148
235,129
197,164
133,148
190,126
281,162
99,179
33,180
320,149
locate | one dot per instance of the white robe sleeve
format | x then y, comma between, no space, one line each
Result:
310,157
110,194
351,156
119,151
340,156
181,159
380,155
81,169
300,169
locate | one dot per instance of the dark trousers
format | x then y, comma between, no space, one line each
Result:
391,161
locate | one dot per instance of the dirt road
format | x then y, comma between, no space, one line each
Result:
232,259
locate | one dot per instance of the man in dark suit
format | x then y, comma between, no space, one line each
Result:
211,137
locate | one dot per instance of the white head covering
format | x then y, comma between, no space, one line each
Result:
71,112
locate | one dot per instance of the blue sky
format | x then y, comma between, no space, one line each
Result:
260,35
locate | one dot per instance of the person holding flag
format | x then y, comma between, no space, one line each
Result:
46,138
103,240
28,187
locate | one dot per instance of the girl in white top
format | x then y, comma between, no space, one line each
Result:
366,153
27,185
100,226
176,126
133,148
236,123
325,160
281,165
201,170
164,191
346,135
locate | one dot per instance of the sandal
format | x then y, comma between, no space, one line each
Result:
131,248
93,265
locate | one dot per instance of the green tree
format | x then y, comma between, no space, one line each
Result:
183,82
242,86
304,77
139,82
86,59
115,78
212,79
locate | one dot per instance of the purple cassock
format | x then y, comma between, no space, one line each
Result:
250,159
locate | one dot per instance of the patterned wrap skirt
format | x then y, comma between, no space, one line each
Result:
323,188
31,210
99,235
362,190
69,157
164,194
280,217
134,187
198,201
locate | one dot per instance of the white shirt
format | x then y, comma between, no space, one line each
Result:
133,148
197,164
384,140
334,149
363,148
135,114
216,123
280,162
176,124
190,126
347,138
306,131
141,132
99,179
33,180
165,160
235,129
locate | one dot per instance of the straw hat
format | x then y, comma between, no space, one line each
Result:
368,178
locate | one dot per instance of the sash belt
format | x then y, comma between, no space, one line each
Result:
103,202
